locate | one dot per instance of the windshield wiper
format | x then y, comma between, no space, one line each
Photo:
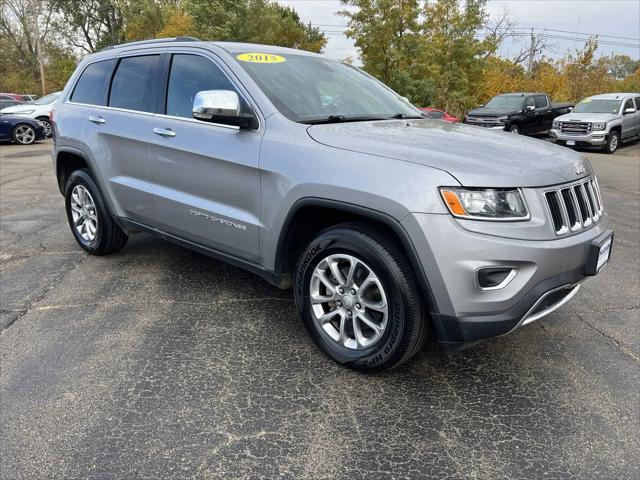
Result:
404,116
340,119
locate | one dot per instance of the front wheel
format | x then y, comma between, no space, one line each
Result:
514,129
24,134
359,300
612,142
46,124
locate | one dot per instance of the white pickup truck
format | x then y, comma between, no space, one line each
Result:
602,120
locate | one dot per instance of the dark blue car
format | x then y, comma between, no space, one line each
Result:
21,130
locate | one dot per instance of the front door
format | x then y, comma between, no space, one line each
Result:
206,182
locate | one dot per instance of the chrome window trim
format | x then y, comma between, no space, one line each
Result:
185,50
218,62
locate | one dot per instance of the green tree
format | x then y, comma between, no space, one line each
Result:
255,21
425,50
89,25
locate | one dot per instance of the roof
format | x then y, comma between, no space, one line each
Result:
614,96
519,94
230,47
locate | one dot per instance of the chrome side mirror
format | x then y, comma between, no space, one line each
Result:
530,108
629,110
220,106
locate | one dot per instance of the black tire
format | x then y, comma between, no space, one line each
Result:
515,129
109,236
613,142
46,124
407,323
16,134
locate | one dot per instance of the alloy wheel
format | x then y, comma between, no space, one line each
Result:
25,134
348,301
47,127
83,213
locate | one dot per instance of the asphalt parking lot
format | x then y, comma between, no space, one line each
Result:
158,362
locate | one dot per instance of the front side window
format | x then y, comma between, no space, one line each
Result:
134,84
541,101
310,89
530,102
93,83
190,74
628,104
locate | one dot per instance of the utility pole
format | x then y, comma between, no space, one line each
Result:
39,56
532,52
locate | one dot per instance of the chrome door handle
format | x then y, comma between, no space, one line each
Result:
97,120
165,132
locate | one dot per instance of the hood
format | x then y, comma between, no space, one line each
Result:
24,107
587,117
6,117
475,156
493,112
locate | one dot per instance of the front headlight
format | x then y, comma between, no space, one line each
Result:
485,203
599,125
555,125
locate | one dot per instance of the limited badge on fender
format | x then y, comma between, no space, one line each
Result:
260,58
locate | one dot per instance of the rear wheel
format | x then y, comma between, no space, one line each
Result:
612,142
359,299
91,222
24,134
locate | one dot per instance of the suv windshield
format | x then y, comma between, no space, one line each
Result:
597,106
311,89
46,100
505,101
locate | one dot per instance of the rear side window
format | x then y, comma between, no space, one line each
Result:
93,83
541,101
189,75
628,104
134,84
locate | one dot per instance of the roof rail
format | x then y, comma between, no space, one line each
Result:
156,40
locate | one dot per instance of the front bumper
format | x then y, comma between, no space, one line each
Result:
548,271
596,138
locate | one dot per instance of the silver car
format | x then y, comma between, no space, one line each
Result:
390,228
605,120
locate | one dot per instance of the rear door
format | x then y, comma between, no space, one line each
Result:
543,113
206,182
630,121
119,133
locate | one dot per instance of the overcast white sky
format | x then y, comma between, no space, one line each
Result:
617,18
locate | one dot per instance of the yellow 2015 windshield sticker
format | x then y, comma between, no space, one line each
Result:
260,58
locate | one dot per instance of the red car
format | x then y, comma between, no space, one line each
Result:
439,114
12,96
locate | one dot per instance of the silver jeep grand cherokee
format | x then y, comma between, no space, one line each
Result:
391,228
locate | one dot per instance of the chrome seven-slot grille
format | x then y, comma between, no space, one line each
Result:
575,128
575,207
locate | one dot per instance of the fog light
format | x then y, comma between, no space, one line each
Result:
494,278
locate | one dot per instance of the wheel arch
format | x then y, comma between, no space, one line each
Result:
68,161
308,216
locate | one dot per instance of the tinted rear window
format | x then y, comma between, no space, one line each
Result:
93,83
134,84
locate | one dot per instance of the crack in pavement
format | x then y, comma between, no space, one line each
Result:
606,335
45,291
